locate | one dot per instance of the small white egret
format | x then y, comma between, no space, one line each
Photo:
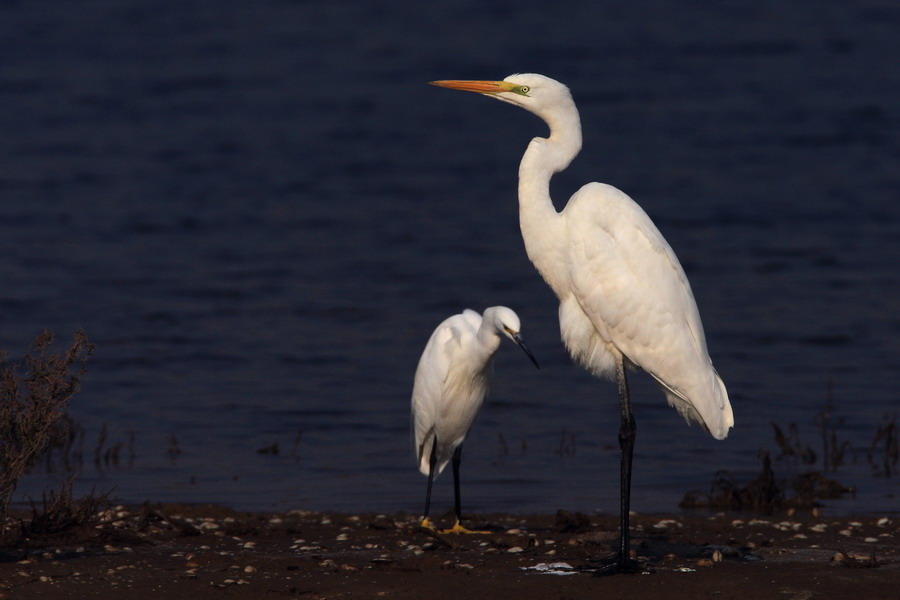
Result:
624,298
452,380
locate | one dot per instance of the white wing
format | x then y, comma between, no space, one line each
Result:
448,391
628,281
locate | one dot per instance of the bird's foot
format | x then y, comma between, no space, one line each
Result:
612,565
458,528
426,523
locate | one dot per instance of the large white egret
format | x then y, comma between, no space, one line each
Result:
624,298
452,380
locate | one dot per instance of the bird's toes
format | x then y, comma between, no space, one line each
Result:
458,528
613,565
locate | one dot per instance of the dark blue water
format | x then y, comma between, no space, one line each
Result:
259,212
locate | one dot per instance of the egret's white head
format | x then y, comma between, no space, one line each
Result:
506,322
533,92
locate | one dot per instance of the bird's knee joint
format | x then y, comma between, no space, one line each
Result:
626,434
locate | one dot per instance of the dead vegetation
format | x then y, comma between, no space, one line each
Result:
34,395
61,511
884,451
34,427
768,493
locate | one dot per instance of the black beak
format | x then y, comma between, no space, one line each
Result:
518,339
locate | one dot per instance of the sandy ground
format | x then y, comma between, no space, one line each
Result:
197,552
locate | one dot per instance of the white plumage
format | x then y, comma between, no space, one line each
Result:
628,295
452,380
624,298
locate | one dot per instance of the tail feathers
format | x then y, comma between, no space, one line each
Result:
424,452
726,416
424,455
711,409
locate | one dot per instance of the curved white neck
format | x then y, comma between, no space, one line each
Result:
489,341
538,218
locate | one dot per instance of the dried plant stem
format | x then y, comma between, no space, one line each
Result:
32,404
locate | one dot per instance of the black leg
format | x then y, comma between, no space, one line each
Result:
457,526
457,458
432,462
620,562
627,434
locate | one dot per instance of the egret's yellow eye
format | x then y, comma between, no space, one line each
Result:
522,89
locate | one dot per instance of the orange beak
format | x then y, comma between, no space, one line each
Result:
482,87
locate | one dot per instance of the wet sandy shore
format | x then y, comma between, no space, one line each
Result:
198,552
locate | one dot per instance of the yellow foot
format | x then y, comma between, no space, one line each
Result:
457,528
426,523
